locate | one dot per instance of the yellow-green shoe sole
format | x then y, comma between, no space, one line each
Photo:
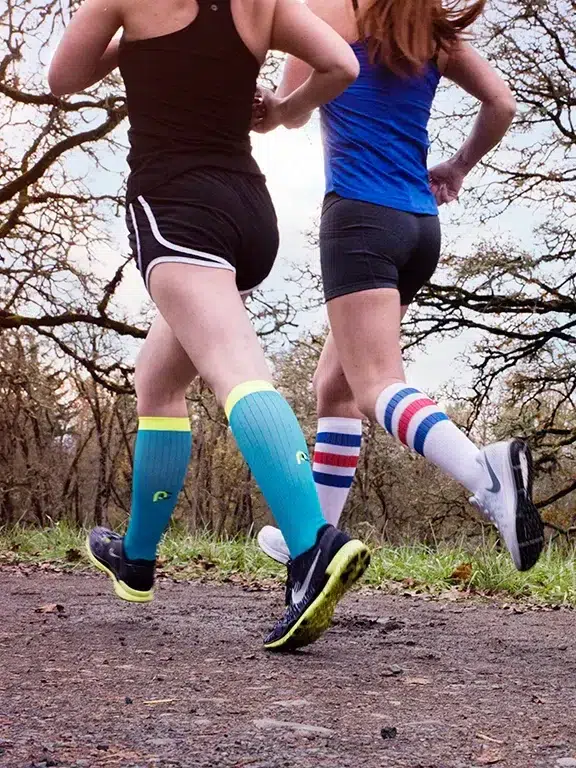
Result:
344,570
123,591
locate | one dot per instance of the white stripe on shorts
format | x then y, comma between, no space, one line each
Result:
206,260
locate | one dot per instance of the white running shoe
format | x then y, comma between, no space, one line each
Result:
505,498
272,543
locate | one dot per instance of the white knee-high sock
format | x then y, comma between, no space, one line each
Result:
413,418
336,453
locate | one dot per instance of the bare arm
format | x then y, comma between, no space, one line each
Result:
474,74
86,53
295,73
327,63
470,71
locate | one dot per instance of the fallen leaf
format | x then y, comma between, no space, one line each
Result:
158,701
462,572
73,555
453,595
50,608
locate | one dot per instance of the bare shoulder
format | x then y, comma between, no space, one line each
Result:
339,14
462,54
254,21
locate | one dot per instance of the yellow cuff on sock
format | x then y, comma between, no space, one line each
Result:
242,390
164,423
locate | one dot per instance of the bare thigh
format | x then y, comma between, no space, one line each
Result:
366,330
207,316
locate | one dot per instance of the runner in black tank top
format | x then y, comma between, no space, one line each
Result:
203,227
178,121
194,184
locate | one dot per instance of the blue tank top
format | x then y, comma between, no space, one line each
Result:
375,138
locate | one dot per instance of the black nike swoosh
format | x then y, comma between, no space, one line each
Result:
495,482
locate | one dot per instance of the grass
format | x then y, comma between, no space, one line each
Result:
450,571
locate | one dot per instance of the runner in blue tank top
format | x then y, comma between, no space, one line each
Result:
380,243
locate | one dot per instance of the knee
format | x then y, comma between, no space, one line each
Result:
366,404
333,394
158,396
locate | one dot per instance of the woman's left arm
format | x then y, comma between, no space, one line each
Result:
86,53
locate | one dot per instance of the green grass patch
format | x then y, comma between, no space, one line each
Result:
443,570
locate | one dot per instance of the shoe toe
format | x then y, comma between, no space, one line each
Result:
99,538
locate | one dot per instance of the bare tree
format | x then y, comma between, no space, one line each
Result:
521,303
59,195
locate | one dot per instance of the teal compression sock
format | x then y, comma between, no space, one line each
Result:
161,459
270,438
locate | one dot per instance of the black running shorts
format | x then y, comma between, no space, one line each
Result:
365,246
209,217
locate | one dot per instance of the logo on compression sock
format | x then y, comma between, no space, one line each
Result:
161,496
301,457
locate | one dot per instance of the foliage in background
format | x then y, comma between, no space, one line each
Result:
448,572
66,451
67,416
519,302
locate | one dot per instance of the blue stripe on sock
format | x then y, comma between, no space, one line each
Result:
336,481
339,438
425,427
394,402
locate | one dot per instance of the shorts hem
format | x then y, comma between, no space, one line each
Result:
183,260
358,288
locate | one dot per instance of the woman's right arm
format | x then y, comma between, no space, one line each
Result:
327,64
86,53
470,71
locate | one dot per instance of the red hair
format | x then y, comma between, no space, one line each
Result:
406,34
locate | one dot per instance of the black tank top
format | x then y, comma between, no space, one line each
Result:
189,97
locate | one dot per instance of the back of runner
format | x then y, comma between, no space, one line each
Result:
203,231
380,243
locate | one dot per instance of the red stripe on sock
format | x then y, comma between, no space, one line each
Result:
409,412
335,459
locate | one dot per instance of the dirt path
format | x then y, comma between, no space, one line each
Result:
474,685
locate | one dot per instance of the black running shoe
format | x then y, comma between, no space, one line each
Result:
288,590
133,579
320,577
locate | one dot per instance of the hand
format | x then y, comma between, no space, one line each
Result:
258,108
446,180
267,111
